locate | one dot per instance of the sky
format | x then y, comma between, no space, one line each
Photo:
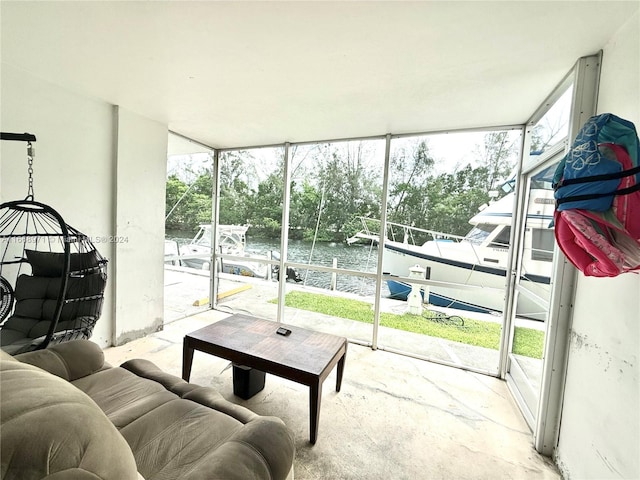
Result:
450,150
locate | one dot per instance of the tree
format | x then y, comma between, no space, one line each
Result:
266,211
453,198
306,203
235,203
445,202
237,172
411,169
175,190
547,132
349,188
237,165
185,208
497,155
334,184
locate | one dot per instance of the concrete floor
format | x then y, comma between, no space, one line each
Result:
396,417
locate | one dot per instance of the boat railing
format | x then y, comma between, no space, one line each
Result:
398,232
410,235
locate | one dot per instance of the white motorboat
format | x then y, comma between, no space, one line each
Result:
232,241
479,259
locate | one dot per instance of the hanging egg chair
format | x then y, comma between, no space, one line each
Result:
52,279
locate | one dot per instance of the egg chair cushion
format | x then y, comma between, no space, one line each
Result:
36,298
51,264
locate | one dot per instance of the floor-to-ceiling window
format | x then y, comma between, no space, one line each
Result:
188,207
448,223
247,235
331,276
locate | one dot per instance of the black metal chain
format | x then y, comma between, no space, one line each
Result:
30,154
440,317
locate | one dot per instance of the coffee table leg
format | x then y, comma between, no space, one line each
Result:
315,395
340,371
187,360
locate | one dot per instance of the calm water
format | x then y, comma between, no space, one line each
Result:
363,258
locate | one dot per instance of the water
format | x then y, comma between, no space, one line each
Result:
363,258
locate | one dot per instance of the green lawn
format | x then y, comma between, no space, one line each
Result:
527,342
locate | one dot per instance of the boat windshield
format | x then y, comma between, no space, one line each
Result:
479,233
501,240
203,237
231,238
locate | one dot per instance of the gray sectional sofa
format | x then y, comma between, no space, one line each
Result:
65,414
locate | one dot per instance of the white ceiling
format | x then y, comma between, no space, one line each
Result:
251,73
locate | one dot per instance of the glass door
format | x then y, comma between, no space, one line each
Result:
532,287
533,245
542,281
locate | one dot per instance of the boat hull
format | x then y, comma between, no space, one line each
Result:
487,282
400,291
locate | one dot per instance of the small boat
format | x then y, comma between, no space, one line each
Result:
232,241
478,259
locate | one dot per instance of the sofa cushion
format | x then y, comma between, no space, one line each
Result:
123,396
199,436
50,429
69,360
173,429
202,395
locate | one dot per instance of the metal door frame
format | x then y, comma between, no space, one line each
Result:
545,421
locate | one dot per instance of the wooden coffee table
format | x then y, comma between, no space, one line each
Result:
304,356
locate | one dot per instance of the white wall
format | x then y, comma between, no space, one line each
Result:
99,168
599,433
139,229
